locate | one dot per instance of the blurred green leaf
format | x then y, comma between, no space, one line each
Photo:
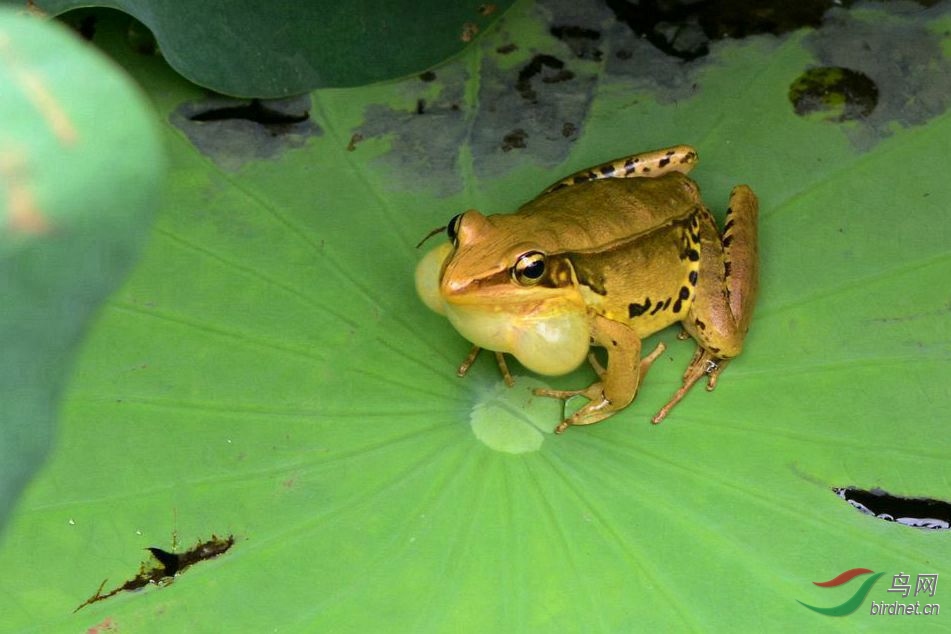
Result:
268,371
80,167
275,49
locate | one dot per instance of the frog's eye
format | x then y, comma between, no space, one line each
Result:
529,268
452,230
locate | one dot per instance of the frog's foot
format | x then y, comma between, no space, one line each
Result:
504,369
598,407
592,392
468,361
703,364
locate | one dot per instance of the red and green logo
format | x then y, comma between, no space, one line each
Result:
852,603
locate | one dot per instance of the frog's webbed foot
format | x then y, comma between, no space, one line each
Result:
598,407
499,358
704,363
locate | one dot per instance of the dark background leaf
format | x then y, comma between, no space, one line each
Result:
275,49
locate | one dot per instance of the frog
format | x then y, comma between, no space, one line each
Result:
603,258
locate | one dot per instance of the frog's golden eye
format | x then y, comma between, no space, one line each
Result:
529,268
452,230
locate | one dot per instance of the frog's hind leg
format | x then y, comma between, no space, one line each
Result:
680,158
719,317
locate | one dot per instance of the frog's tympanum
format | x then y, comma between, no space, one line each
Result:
605,257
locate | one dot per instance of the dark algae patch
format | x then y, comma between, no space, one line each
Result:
525,99
685,29
835,93
536,67
165,567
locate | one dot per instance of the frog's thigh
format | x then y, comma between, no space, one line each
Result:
719,316
679,158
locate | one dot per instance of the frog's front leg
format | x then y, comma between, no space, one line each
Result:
680,158
618,383
499,359
719,317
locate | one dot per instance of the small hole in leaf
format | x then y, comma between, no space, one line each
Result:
916,512
255,111
235,131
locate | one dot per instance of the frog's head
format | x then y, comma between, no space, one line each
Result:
504,292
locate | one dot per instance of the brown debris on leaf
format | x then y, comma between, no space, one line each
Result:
165,567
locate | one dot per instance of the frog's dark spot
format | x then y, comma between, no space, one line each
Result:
699,324
583,178
834,93
915,512
420,106
685,29
607,170
727,268
580,40
728,226
514,140
646,170
636,310
614,343
692,235
506,49
693,255
568,129
664,162
714,350
659,306
692,277
727,241
682,297
535,67
170,565
428,76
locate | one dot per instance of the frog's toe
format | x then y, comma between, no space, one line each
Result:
595,411
592,392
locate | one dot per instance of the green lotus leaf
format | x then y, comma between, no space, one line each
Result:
80,171
268,372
